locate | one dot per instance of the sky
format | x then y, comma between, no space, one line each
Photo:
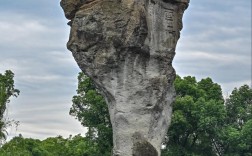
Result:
215,42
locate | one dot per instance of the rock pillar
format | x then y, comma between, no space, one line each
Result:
127,48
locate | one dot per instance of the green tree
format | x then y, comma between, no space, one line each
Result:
239,106
90,108
81,146
6,91
203,124
53,146
20,146
246,137
236,138
198,115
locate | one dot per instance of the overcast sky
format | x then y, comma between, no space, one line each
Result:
215,42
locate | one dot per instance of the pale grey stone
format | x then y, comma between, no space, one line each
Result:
127,48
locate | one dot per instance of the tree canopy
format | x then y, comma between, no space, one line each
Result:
7,89
90,108
53,146
236,136
204,124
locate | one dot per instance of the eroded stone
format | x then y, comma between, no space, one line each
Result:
127,48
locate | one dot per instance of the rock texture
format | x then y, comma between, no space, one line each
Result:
127,48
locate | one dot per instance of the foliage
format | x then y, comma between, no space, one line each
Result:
239,106
90,108
56,146
236,137
204,124
6,91
198,114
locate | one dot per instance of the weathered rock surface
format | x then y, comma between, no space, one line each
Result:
127,48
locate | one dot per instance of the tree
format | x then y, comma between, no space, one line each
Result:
80,146
20,146
53,146
90,108
239,106
236,138
246,137
6,91
198,115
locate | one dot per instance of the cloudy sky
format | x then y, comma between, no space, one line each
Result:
215,42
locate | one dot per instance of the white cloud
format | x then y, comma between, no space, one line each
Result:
26,33
45,73
216,42
19,30
219,58
226,86
43,118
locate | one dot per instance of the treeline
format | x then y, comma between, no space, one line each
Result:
55,146
203,124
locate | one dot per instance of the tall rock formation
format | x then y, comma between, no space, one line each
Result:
127,48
